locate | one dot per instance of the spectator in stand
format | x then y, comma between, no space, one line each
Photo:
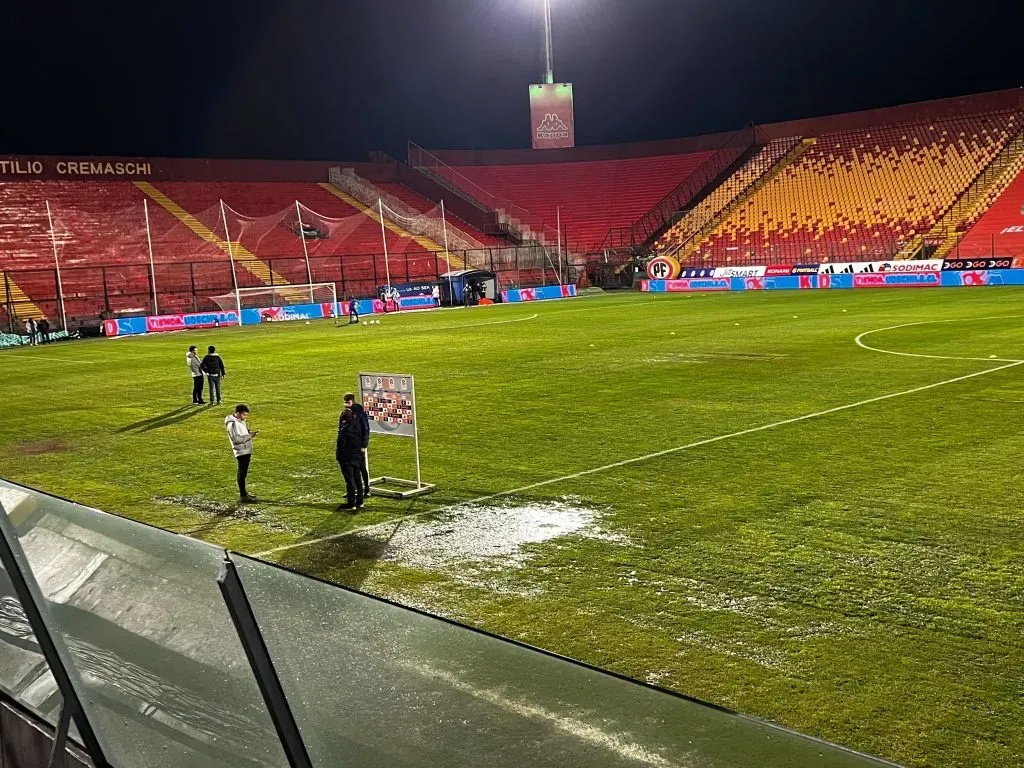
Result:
30,329
364,438
195,367
213,367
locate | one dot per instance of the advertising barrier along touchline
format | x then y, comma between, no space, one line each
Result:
419,297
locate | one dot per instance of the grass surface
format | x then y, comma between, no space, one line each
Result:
857,576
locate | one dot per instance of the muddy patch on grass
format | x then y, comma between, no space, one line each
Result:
487,547
249,513
42,447
494,536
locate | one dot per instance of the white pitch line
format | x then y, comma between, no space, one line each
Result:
534,316
647,457
860,339
24,357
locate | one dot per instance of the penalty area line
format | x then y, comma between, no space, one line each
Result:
645,457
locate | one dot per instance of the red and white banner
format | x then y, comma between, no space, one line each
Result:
159,323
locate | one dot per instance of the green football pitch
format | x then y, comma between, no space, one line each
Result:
804,506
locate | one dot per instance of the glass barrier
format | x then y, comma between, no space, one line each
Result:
164,679
374,684
24,674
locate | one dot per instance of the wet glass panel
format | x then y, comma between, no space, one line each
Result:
373,684
164,679
24,674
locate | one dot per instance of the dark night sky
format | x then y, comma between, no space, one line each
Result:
312,79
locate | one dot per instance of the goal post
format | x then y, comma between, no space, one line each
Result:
289,295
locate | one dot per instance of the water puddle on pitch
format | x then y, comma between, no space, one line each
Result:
495,536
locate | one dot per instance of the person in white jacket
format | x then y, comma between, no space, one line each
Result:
241,445
195,367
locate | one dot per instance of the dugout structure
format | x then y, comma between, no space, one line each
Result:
389,400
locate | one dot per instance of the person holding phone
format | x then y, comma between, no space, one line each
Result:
241,445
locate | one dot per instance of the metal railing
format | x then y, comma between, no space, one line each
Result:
527,226
662,213
400,214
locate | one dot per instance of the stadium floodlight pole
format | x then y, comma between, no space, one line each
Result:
152,268
231,258
447,258
549,72
384,239
558,239
305,251
56,262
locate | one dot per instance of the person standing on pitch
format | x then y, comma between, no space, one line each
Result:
214,367
347,452
364,439
241,445
43,328
30,329
195,367
353,311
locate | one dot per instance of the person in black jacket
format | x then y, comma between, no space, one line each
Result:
364,431
213,366
347,452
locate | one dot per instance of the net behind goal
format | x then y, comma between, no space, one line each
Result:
277,296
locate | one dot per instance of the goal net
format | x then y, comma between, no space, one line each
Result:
277,296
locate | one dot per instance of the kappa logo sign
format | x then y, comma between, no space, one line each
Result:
552,127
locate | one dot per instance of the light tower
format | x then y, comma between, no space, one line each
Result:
551,107
549,71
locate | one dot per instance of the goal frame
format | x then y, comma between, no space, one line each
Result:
307,289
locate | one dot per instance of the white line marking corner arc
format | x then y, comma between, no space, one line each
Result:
859,341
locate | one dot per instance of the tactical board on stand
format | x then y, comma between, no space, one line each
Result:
389,400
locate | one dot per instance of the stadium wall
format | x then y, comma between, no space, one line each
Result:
134,326
14,168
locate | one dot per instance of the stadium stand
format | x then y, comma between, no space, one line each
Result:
102,224
593,196
94,222
697,220
1000,230
859,193
908,181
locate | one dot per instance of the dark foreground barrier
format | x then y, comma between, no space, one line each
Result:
172,652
